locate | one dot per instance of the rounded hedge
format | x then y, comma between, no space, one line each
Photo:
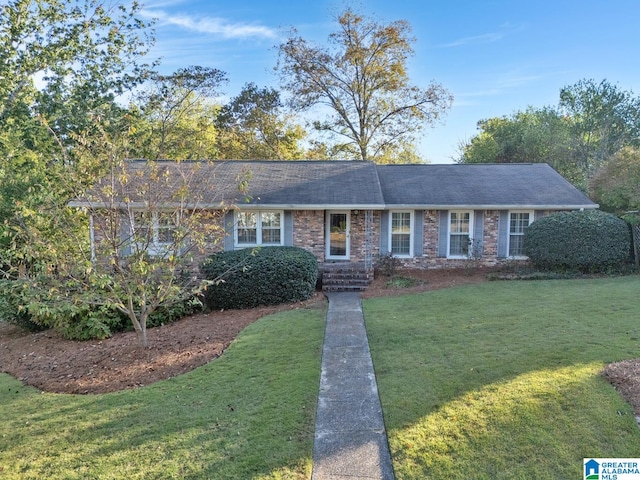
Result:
586,241
261,276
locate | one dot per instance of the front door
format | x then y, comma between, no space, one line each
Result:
337,235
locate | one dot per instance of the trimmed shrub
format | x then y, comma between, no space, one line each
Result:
264,276
586,241
25,304
13,298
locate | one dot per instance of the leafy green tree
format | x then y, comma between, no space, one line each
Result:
146,258
616,186
177,115
361,79
83,54
536,135
591,123
253,126
147,233
602,118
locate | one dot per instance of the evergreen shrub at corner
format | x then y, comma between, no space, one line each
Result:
586,241
263,276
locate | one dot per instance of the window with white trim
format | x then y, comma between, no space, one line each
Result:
518,223
154,231
401,234
460,233
259,228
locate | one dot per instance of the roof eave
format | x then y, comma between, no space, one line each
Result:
490,207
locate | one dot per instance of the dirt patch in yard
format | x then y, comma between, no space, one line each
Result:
50,363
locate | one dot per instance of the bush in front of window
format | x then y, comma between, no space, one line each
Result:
585,241
261,276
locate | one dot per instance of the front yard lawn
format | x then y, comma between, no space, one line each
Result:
248,414
501,380
489,381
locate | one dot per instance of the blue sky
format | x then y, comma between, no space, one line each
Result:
494,56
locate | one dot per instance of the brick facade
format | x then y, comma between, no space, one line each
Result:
309,232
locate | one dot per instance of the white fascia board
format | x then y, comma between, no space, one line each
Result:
253,206
490,207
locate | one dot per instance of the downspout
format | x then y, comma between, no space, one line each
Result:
92,240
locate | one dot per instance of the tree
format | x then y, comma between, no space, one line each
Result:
362,79
591,123
616,186
252,126
177,114
602,119
536,135
84,54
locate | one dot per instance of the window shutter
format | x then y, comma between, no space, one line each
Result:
443,232
538,214
478,232
385,248
288,228
229,225
125,235
418,233
503,234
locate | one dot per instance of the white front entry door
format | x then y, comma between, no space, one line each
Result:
337,235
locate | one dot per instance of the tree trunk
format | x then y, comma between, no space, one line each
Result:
142,334
140,326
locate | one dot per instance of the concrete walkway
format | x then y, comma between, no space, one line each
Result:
350,439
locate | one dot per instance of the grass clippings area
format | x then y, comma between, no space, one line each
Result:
248,414
502,380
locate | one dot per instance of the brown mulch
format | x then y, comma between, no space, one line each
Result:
625,377
50,363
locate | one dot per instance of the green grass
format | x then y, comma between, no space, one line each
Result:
247,415
501,380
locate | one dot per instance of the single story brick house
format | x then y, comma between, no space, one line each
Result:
351,212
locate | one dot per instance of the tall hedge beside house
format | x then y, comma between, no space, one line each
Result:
586,241
264,276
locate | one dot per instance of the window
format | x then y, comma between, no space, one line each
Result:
154,231
459,233
247,225
518,223
259,228
401,234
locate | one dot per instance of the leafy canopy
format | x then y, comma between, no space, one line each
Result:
591,122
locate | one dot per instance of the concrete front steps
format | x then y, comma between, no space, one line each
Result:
345,277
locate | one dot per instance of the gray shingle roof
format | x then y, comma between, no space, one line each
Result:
305,184
357,184
535,185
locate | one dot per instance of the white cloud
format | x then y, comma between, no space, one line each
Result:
484,38
212,25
